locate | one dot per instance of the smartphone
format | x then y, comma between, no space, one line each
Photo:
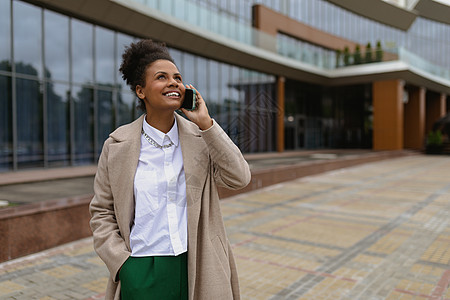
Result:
190,99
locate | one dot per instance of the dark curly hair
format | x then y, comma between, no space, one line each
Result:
135,60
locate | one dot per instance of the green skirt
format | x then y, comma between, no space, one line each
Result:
154,277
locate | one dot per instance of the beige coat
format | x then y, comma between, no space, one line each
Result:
210,158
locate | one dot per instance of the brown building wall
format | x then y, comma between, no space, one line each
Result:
388,115
272,22
414,125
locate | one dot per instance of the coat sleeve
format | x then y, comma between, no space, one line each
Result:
108,242
231,170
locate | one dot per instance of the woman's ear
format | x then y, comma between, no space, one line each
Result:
140,92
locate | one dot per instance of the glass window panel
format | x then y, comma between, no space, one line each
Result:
224,27
204,17
224,94
82,52
214,88
58,137
214,22
29,123
56,28
191,13
84,124
126,106
5,36
27,38
151,3
188,72
166,6
5,123
123,41
178,58
180,10
105,116
201,83
252,113
104,56
234,105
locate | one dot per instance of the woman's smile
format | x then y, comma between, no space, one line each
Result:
173,94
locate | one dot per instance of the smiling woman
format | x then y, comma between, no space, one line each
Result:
156,217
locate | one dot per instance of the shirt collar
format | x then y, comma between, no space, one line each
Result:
158,136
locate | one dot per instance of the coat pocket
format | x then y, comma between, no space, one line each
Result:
222,255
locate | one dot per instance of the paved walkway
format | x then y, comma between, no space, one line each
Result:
375,231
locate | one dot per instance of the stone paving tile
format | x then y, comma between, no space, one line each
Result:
375,231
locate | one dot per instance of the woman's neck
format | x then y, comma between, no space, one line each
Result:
162,122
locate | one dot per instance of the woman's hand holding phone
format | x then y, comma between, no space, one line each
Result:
199,115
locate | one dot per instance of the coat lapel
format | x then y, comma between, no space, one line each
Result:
195,159
122,163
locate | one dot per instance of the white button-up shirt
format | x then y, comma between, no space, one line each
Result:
160,218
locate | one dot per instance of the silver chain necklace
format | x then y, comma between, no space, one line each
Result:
152,141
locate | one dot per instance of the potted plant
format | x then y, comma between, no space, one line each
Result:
434,144
338,58
378,52
357,58
368,58
346,56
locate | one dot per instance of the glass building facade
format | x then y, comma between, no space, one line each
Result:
62,94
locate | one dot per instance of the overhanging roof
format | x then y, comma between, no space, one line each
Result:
380,11
434,10
396,16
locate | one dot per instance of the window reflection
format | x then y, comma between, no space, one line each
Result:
83,99
5,36
234,106
177,57
189,76
126,106
30,123
214,87
58,137
27,37
104,56
123,41
105,116
5,123
224,95
82,52
202,80
56,46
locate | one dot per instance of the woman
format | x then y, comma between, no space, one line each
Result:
156,217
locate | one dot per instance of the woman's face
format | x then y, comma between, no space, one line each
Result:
164,89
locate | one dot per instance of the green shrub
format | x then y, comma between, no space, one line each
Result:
434,138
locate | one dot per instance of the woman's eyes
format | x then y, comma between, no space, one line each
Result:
178,78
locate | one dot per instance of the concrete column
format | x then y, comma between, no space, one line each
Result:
414,129
435,109
387,97
280,113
